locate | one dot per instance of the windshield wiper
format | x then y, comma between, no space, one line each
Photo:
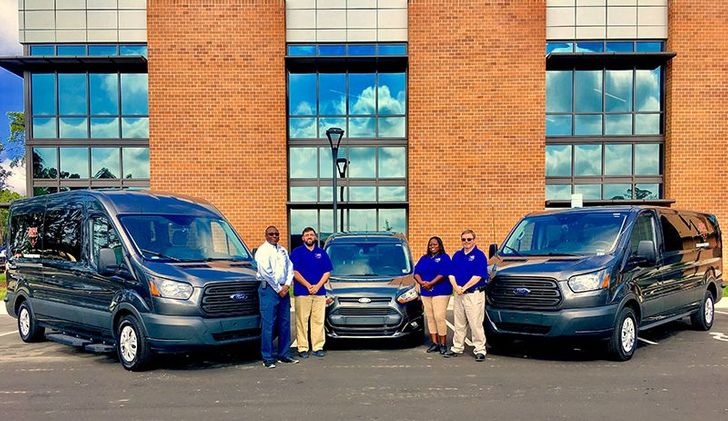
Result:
516,252
163,256
232,259
551,253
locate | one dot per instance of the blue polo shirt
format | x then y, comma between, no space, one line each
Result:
428,267
465,266
311,264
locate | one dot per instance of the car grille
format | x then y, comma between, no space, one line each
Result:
523,328
371,299
543,294
365,311
217,299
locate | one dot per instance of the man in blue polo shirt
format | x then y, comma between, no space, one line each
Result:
469,274
311,270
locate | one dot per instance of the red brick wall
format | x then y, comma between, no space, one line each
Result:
697,109
476,117
217,107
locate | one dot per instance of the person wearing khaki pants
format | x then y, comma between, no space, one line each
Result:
311,270
431,272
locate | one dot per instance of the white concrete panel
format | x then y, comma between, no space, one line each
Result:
361,4
560,32
652,2
21,4
132,35
39,4
21,36
361,35
361,19
103,35
552,3
560,16
133,4
102,19
300,35
621,32
331,4
71,19
392,4
387,35
392,18
300,19
70,4
40,19
300,4
622,3
652,32
331,35
652,15
591,16
591,3
40,36
71,35
21,20
101,4
622,16
132,19
591,32
331,19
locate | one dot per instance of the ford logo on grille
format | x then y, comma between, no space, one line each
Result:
239,297
522,292
365,300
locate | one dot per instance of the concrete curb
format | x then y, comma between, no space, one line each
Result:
722,304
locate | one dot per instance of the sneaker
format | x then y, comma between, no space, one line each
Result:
320,353
443,349
303,354
269,364
288,360
479,357
433,348
451,354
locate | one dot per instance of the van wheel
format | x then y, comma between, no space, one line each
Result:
28,326
623,342
703,318
131,346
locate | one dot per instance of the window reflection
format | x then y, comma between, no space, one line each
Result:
392,127
44,128
617,159
362,93
587,160
72,94
392,163
647,124
136,162
362,219
589,191
647,159
134,100
558,91
617,124
72,127
104,127
104,96
558,192
391,93
617,192
44,93
362,127
329,122
393,220
74,162
362,194
45,163
362,163
392,194
302,94
105,163
588,90
647,191
588,125
558,160
135,127
648,92
558,125
302,128
619,90
332,94
303,194
303,163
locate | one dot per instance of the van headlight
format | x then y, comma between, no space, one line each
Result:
167,288
407,296
589,281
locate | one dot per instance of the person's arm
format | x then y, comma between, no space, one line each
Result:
265,268
472,281
300,279
455,287
289,270
320,283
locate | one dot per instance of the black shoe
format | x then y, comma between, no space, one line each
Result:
320,353
479,357
288,360
303,354
443,349
451,354
269,364
433,348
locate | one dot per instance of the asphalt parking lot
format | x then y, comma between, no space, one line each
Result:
677,373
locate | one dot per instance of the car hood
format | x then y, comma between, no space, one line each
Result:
200,274
356,286
557,267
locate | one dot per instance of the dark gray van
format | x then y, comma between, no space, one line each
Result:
129,271
605,272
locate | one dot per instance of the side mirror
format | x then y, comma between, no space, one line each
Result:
255,250
645,255
107,262
492,250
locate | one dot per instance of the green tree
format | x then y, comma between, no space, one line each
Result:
6,197
14,148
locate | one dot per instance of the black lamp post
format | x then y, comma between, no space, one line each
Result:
342,164
334,134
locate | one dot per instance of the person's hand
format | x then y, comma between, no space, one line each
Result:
284,291
459,290
314,289
427,286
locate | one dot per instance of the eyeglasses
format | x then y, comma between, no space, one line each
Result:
273,234
467,240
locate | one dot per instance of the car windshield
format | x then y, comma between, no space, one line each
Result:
565,234
183,238
369,260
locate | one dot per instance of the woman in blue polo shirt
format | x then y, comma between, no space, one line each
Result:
431,272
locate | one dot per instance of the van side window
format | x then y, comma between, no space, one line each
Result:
103,235
644,230
62,233
26,233
679,232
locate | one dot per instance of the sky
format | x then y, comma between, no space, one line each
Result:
11,86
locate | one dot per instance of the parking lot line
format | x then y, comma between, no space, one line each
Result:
721,312
7,333
647,342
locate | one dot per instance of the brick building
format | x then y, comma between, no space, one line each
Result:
457,113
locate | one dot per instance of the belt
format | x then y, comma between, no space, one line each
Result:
478,289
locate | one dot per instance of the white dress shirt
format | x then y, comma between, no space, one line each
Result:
274,266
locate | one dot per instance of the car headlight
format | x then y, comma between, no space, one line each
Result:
589,281
407,296
167,288
329,299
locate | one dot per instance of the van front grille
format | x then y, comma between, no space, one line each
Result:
365,311
524,293
226,299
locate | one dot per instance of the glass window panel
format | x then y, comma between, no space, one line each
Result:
588,160
362,97
44,93
362,219
617,159
44,128
300,219
392,49
72,94
71,50
392,162
105,163
619,91
620,47
362,194
647,191
558,91
74,162
325,164
73,127
45,163
647,159
558,125
559,47
588,125
40,191
589,191
104,93
302,93
303,163
588,91
102,50
558,160
589,47
362,50
329,122
42,50
618,124
649,47
393,220
303,194
332,94
135,128
332,50
362,162
325,194
134,99
392,194
391,94
326,223
617,191
558,192
362,127
136,162
392,127
647,124
105,128
648,90
302,128
133,50
302,50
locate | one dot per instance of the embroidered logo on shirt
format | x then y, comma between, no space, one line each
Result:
318,255
437,259
471,258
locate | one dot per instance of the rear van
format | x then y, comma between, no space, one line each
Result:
130,272
604,272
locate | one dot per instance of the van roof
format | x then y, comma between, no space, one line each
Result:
366,236
608,208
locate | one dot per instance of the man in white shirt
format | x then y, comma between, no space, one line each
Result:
275,271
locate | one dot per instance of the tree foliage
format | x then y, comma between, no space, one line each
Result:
14,147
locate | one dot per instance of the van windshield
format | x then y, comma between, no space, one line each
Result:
183,238
565,234
369,260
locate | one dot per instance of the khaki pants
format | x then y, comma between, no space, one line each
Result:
436,313
469,311
313,308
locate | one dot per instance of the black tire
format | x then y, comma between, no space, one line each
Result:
131,345
704,317
623,342
414,339
28,326
497,341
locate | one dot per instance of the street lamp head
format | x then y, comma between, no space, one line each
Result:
341,165
334,134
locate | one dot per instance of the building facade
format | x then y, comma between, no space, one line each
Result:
457,113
